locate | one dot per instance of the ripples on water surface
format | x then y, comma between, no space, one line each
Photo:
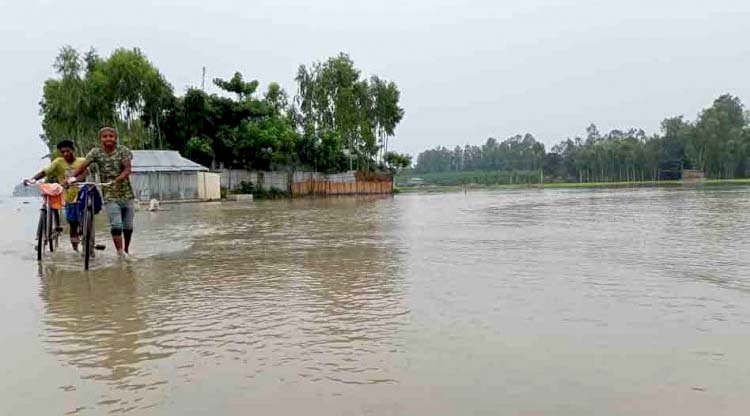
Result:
536,302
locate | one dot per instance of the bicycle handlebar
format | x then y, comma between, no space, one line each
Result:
26,182
102,184
42,181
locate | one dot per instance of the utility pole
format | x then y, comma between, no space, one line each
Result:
203,80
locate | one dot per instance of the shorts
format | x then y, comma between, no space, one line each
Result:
120,214
71,213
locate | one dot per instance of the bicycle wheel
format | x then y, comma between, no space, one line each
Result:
58,229
88,235
51,229
40,230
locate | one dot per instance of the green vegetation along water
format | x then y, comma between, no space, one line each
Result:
447,181
716,143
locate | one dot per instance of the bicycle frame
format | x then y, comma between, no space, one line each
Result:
88,232
48,233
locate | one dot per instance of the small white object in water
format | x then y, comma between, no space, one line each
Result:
153,205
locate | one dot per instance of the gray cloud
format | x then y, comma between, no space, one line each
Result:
467,69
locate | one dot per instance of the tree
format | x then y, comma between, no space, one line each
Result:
387,112
199,150
676,135
517,153
395,161
276,98
124,90
238,86
718,143
338,119
333,99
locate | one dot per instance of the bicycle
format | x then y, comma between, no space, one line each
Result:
88,234
48,229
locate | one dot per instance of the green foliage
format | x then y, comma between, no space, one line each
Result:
273,193
477,177
396,162
276,98
343,116
199,150
718,143
124,90
246,188
515,153
276,193
238,86
337,120
245,132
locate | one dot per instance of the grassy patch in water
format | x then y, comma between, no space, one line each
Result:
576,185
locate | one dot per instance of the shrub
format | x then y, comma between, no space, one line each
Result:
246,187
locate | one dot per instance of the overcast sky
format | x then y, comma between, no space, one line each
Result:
467,70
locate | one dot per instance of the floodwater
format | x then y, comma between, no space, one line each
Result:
575,302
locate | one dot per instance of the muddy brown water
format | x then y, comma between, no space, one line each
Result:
564,302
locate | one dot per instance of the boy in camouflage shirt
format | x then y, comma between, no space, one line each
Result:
114,164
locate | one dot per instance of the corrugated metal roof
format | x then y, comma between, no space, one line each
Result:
163,161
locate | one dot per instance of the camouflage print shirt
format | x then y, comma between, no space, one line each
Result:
110,166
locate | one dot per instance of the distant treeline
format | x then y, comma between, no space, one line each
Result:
25,191
717,142
338,119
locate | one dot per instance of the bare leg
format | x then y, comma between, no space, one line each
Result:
127,221
114,210
117,240
74,239
58,225
128,234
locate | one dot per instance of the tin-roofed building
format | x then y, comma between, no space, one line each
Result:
167,176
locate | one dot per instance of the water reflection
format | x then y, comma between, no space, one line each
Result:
312,290
422,304
93,321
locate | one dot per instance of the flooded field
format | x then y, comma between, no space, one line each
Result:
576,302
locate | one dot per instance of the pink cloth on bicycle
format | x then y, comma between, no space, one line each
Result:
53,191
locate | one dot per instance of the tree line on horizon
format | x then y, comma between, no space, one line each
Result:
338,120
717,143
